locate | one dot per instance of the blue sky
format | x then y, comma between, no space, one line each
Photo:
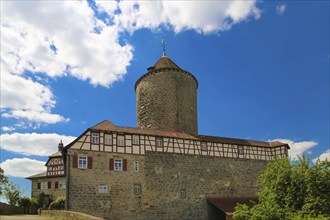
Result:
262,68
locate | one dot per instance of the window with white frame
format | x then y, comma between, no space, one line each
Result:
95,138
240,150
44,185
204,146
82,162
108,139
62,184
120,140
137,189
136,166
103,188
136,139
118,165
159,142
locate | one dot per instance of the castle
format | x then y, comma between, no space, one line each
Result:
162,169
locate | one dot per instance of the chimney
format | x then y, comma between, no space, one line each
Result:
60,146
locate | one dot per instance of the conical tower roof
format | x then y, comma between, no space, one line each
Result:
165,62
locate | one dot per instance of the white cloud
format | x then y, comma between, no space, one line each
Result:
22,167
280,8
8,128
32,29
38,117
33,143
297,148
323,156
201,16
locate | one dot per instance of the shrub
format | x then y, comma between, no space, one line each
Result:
59,203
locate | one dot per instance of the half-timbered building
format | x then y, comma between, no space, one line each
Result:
52,182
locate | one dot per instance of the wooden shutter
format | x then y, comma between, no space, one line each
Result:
124,165
56,185
90,163
49,185
39,186
111,164
75,161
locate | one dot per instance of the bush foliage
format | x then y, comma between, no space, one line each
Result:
59,203
291,191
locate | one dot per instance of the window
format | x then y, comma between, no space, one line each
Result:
82,162
159,142
108,139
62,184
137,189
136,139
183,193
240,150
103,188
118,164
120,140
95,138
204,146
44,185
136,166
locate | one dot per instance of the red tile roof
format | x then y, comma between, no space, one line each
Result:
39,175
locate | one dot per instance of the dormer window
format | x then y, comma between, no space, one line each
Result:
108,139
136,139
95,138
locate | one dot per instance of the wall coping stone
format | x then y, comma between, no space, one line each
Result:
64,214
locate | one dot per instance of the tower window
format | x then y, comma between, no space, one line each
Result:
159,142
108,139
95,138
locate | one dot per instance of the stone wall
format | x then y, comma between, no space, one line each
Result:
52,191
119,200
167,100
173,186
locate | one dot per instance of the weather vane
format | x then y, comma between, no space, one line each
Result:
164,45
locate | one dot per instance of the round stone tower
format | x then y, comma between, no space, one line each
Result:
166,98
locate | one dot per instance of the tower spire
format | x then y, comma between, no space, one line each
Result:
164,45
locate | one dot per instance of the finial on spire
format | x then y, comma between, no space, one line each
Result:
164,45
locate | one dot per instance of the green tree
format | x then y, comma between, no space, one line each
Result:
24,202
12,193
291,191
3,180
